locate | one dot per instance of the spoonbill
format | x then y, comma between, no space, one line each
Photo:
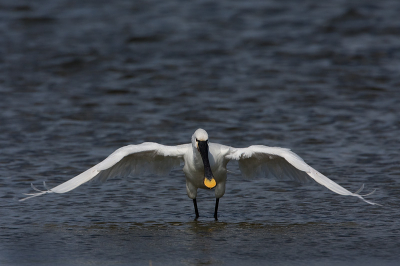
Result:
204,166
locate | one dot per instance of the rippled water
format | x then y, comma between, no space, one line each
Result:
79,79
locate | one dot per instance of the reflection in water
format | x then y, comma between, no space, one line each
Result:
198,243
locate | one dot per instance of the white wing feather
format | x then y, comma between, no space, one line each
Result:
128,160
281,162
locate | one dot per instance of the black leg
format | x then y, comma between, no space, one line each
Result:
216,209
195,209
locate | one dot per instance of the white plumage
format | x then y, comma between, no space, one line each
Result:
204,166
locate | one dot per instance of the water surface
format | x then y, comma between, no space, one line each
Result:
81,79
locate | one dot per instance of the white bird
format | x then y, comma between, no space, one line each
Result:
204,166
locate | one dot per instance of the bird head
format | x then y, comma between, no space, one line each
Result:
200,142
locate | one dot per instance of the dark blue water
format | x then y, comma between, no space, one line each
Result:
79,79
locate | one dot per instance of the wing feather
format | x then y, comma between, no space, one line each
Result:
126,161
282,163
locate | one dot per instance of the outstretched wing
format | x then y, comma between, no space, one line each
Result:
128,160
282,163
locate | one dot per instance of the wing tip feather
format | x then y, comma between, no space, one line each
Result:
39,192
358,195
